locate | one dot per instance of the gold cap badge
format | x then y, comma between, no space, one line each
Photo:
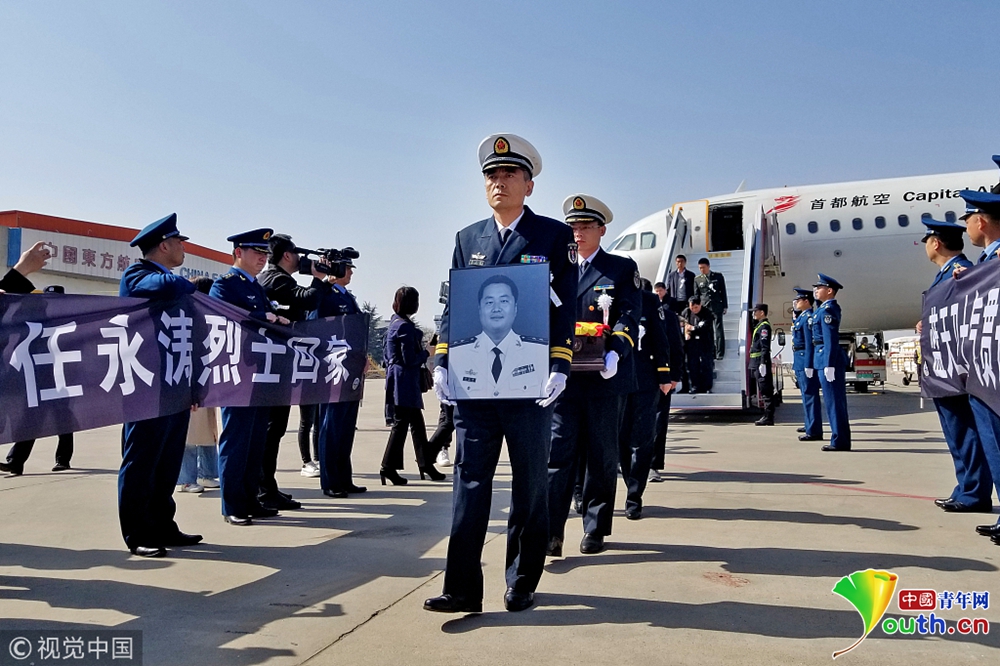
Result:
578,204
500,146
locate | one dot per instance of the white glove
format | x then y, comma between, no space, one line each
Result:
610,365
809,373
830,374
441,386
553,387
762,369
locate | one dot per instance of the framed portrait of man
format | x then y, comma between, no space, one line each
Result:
499,328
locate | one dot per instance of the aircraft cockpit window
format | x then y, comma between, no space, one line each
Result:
949,216
880,222
904,221
857,224
647,241
813,227
626,244
834,225
790,228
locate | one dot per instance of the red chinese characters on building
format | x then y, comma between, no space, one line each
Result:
89,258
107,261
69,254
912,600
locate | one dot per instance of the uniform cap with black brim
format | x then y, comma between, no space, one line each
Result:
827,281
155,233
980,202
256,239
586,208
509,150
945,229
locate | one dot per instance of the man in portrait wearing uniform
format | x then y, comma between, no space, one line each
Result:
294,302
244,429
760,364
652,371
802,364
512,234
337,421
699,346
982,223
498,361
152,450
830,361
974,492
711,288
588,415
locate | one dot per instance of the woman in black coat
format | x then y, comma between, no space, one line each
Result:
404,356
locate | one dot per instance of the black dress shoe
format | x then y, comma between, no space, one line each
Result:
356,490
802,429
958,507
60,467
988,530
515,601
591,543
764,421
181,539
11,469
261,511
942,501
578,504
554,549
338,494
279,502
148,551
633,512
449,604
238,520
833,448
996,540
809,438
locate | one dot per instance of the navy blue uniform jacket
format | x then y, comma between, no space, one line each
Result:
236,289
144,279
404,354
333,302
535,236
652,359
619,278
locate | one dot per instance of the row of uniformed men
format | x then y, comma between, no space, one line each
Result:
580,419
971,428
248,446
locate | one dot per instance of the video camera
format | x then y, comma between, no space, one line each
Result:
337,261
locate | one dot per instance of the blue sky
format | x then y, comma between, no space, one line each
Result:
358,123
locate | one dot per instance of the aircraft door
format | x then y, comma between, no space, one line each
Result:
678,238
725,226
771,243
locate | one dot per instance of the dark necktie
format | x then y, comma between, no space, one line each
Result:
982,257
504,233
496,364
583,267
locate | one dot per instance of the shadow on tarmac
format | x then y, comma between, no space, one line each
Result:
801,517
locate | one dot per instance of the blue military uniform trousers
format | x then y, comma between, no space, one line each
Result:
975,481
480,428
811,404
988,429
635,442
241,452
835,398
152,451
337,425
586,421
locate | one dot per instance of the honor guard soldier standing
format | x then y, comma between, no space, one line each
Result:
830,361
974,492
588,416
802,364
982,223
295,302
337,421
512,234
652,371
244,429
760,364
152,450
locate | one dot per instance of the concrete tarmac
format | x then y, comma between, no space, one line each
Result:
733,561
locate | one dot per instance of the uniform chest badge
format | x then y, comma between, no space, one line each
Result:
533,259
638,280
763,333
522,370
828,319
478,259
573,252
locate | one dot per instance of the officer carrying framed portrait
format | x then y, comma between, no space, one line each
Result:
499,322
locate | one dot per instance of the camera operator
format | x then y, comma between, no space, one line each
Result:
294,302
337,421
